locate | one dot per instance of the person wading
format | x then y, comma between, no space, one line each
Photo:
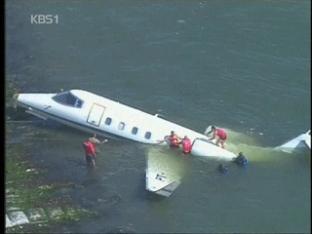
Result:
90,150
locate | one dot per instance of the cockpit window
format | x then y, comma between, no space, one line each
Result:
66,98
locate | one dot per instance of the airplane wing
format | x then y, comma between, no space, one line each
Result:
164,170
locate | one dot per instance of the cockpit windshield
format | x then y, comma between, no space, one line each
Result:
67,98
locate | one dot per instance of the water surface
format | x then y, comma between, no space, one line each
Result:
241,65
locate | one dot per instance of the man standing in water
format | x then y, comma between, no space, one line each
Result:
90,150
218,133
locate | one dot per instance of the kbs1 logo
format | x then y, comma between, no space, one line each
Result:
44,19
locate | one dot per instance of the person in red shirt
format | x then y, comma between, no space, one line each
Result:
90,150
186,145
220,134
90,153
173,140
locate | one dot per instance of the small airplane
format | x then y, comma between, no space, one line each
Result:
95,114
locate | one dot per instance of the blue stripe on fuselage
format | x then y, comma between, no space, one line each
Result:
95,130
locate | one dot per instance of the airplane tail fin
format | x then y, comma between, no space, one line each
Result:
303,140
307,139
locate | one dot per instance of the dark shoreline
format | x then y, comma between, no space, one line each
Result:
26,189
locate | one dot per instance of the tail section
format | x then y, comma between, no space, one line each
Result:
301,141
307,140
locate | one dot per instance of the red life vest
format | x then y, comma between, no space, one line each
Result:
221,134
89,148
186,145
174,142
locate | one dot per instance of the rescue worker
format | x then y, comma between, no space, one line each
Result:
241,160
90,150
173,140
186,145
220,134
90,153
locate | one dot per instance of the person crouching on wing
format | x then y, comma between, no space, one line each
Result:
186,145
173,140
220,134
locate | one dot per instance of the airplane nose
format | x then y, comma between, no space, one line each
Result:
24,99
14,98
32,100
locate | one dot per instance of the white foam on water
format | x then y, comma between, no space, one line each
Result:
251,148
18,218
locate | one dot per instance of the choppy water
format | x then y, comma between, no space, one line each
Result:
237,64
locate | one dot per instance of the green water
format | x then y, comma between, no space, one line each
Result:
242,65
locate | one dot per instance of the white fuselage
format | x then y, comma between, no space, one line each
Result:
95,114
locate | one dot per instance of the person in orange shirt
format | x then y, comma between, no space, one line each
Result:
173,140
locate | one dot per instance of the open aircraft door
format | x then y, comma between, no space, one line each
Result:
96,114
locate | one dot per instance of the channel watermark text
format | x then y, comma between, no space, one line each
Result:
44,19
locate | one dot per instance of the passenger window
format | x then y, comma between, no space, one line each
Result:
148,135
121,126
108,121
134,130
